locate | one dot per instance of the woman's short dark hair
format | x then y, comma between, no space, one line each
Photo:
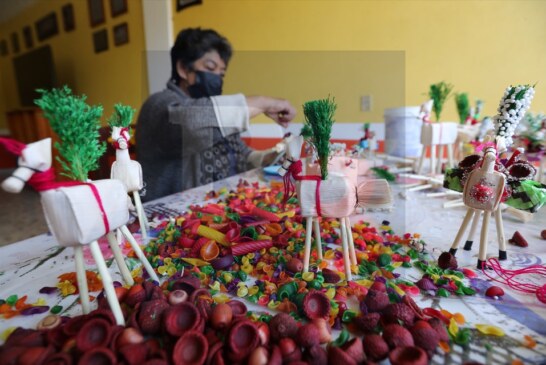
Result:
192,43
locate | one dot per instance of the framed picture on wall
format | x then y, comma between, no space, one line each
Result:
15,42
68,17
46,27
96,12
27,36
118,7
181,4
121,34
3,48
100,40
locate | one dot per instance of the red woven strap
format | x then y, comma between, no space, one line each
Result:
42,181
295,170
12,146
101,207
122,134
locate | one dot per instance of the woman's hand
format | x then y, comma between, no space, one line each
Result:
280,110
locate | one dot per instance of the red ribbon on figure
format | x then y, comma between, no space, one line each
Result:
45,180
14,147
124,133
294,171
42,181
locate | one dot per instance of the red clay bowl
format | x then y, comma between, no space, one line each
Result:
181,318
98,356
238,309
316,305
94,333
190,349
408,356
243,337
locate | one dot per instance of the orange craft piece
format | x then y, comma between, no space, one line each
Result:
273,229
93,281
444,346
209,251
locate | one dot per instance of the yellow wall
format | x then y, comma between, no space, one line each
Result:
116,75
480,46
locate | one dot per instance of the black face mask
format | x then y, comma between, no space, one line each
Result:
206,84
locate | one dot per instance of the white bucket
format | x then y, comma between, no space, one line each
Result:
403,131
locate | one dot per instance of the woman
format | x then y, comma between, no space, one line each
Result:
189,134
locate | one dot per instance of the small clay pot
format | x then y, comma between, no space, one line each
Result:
316,305
49,322
408,356
129,336
259,356
34,355
204,307
181,318
263,333
336,355
289,350
73,325
221,316
355,349
242,339
187,283
10,354
177,296
316,355
190,349
149,315
26,338
99,355
294,265
213,349
197,294
325,331
330,276
238,309
56,336
494,291
60,358
104,314
133,353
282,325
136,294
93,334
308,335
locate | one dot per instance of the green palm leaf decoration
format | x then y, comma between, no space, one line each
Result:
122,117
77,126
463,106
439,93
319,117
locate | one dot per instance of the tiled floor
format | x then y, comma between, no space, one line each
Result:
21,214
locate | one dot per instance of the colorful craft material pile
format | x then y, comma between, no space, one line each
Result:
249,245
